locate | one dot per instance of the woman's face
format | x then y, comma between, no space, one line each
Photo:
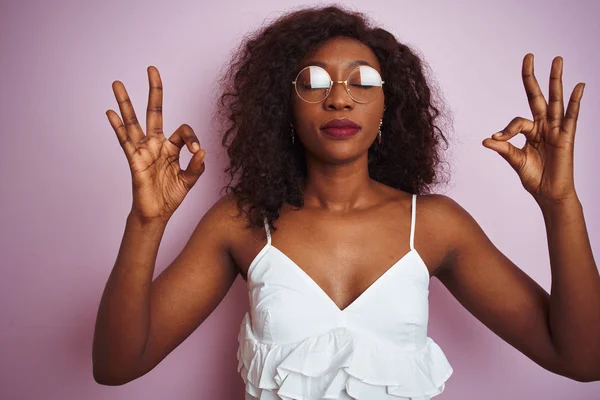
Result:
338,56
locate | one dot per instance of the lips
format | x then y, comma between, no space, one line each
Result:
343,123
340,128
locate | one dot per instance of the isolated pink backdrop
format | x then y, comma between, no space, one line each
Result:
65,186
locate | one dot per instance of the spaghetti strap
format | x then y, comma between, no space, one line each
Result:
412,221
267,230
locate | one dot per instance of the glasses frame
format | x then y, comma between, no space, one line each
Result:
331,82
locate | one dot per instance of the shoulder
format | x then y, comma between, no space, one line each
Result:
443,207
455,227
431,207
226,205
442,225
448,228
451,218
225,219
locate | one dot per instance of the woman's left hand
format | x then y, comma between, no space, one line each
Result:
545,162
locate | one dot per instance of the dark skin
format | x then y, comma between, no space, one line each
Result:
343,207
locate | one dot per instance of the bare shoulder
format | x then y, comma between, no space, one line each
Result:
226,220
461,233
450,215
229,221
440,224
445,224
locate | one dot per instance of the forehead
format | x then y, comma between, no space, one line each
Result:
341,52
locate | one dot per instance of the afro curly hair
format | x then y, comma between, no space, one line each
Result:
254,110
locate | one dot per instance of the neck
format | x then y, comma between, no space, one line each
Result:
338,187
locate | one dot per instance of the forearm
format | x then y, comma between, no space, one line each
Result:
574,310
123,319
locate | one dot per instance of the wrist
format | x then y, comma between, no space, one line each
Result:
147,222
567,203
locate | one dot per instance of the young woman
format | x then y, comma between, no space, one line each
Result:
332,132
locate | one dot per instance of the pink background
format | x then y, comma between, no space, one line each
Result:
65,185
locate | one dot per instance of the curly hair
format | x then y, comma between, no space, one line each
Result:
254,109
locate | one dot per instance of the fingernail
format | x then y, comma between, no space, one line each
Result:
497,134
195,146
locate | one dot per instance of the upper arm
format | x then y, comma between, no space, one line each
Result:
193,285
494,290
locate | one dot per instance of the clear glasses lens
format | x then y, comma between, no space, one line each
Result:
364,84
312,84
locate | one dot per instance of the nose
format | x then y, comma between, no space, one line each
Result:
338,98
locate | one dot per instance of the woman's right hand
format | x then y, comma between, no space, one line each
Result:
159,184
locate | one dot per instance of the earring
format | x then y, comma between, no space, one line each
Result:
292,132
379,131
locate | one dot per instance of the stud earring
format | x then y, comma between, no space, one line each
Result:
379,131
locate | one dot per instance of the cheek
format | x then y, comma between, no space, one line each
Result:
373,115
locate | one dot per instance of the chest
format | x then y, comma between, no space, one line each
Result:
342,256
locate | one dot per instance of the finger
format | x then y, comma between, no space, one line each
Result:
537,102
515,157
569,123
124,140
194,169
184,135
516,126
154,122
556,108
127,113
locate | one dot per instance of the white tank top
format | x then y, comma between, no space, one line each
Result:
296,343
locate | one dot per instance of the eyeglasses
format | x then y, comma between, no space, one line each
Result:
313,84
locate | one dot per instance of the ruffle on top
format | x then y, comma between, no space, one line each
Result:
341,365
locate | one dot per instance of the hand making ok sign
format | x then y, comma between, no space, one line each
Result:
545,162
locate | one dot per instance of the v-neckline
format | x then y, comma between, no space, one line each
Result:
365,292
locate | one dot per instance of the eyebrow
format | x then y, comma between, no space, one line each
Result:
323,65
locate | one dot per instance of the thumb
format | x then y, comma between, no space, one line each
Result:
195,168
510,153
